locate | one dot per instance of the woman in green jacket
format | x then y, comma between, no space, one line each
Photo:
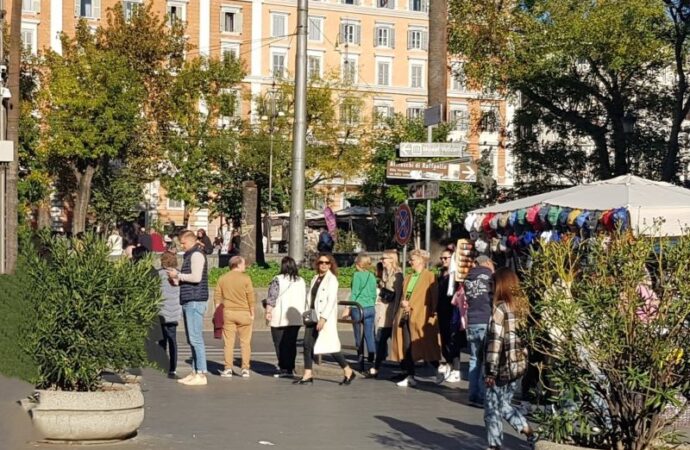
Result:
364,293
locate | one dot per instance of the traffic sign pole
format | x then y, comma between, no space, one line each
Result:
427,232
404,255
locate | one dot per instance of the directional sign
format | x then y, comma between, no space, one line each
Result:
433,149
465,172
403,224
423,191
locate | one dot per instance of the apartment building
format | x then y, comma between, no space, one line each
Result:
379,46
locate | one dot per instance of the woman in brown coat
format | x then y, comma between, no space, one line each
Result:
415,330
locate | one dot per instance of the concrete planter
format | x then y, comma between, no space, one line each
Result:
546,445
115,413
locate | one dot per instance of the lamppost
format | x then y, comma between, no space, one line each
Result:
274,114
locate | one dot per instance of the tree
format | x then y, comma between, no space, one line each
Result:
438,55
91,104
201,142
582,69
117,195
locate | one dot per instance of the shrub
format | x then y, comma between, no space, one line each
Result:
616,356
91,313
261,277
16,318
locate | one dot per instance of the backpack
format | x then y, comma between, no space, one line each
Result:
325,242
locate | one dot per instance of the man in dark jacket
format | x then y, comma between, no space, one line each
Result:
479,293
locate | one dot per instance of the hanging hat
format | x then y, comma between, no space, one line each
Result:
503,244
593,221
486,223
545,236
527,238
521,213
582,219
477,226
543,214
607,220
572,217
503,219
531,215
512,218
493,223
469,221
620,219
552,216
513,240
555,236
481,245
563,217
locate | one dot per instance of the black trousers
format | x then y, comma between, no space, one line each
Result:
450,339
310,335
407,364
285,342
169,341
382,346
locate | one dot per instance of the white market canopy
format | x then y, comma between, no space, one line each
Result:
644,199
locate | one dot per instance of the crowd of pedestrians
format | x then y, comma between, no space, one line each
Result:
424,317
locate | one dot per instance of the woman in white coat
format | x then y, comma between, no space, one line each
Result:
284,308
322,338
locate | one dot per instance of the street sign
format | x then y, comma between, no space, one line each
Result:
403,224
423,191
433,149
433,116
465,172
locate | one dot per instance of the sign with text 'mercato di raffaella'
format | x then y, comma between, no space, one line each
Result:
416,170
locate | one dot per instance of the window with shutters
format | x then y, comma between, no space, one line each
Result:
489,122
460,119
419,5
349,70
458,80
416,75
91,9
279,24
278,64
175,204
129,7
416,39
314,66
349,112
383,73
230,20
349,2
390,4
384,36
414,112
177,12
229,49
381,114
314,29
350,33
29,35
31,6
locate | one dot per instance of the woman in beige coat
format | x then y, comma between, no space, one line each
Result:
415,329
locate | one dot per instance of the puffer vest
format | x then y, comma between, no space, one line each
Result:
193,292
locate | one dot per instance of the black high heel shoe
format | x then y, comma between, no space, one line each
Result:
303,381
347,380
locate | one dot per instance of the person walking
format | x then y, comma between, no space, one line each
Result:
115,243
322,338
505,359
236,293
387,304
447,324
415,331
170,311
363,292
479,294
193,281
284,308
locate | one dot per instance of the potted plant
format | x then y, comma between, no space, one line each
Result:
89,314
611,317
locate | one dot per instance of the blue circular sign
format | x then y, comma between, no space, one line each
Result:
403,224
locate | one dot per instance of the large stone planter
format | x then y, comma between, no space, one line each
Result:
546,445
115,413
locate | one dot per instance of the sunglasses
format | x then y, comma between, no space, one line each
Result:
445,258
325,262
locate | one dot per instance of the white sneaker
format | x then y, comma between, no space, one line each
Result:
454,377
442,374
186,379
227,373
245,373
198,380
407,382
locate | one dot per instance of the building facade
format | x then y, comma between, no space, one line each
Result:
377,46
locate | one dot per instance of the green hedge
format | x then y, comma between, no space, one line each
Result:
261,277
16,318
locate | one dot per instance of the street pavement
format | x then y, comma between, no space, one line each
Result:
262,411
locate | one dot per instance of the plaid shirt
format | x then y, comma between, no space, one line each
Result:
504,356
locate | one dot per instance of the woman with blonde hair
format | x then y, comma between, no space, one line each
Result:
387,304
415,329
363,292
505,359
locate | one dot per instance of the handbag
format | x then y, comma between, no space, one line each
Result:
310,318
386,295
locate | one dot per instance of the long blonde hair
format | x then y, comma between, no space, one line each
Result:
395,261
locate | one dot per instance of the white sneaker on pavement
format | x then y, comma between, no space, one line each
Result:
245,373
198,380
407,382
227,373
187,378
442,373
454,377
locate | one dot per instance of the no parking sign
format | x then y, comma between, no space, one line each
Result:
403,224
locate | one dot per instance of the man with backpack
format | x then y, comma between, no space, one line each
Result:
326,242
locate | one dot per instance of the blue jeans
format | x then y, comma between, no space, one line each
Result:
497,406
369,316
475,340
194,326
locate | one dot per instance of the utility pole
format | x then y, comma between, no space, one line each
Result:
11,199
296,244
3,165
437,79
